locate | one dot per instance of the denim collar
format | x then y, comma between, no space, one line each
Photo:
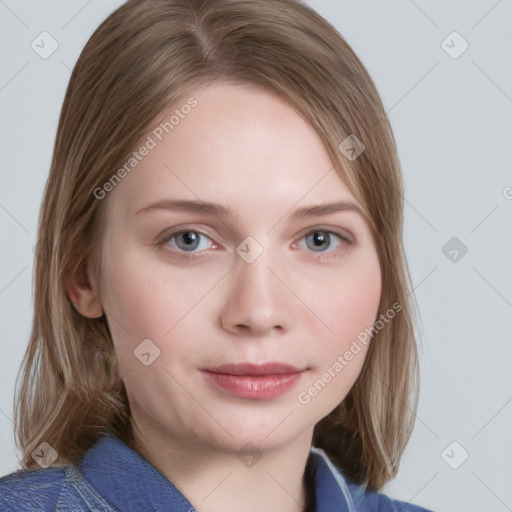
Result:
127,481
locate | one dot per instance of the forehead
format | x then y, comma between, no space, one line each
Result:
239,145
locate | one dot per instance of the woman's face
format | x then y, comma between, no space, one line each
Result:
252,279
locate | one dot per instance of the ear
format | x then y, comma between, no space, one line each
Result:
83,294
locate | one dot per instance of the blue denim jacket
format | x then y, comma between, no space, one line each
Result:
112,477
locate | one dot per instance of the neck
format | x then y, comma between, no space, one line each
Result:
216,480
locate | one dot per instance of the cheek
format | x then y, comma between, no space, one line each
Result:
345,303
145,300
136,307
341,350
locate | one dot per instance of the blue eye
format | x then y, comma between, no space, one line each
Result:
322,240
186,240
194,243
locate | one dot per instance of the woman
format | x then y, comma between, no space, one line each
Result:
222,319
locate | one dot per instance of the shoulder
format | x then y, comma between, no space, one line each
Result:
31,489
333,487
378,502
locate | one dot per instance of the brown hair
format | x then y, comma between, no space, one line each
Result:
143,58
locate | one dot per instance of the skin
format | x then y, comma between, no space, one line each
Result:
297,302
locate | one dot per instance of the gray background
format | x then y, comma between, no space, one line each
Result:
452,119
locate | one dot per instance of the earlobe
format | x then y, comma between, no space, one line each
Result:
82,295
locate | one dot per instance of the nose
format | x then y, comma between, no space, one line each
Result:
257,301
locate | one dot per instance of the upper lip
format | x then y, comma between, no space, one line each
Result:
272,368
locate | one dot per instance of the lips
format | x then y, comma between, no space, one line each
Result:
255,382
249,369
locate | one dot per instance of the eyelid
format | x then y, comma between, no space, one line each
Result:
171,233
345,235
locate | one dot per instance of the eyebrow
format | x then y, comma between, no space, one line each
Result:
220,210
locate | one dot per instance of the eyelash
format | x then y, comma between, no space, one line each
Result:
345,240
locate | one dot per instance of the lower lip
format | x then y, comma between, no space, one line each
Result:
255,387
